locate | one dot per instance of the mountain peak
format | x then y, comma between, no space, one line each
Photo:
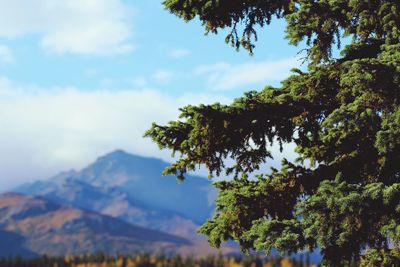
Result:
120,161
139,178
118,153
125,157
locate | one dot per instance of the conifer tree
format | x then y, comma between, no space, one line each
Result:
342,194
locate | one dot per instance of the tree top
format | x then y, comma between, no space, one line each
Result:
322,24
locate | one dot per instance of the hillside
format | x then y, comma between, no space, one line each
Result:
131,188
31,226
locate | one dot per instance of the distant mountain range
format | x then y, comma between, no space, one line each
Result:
33,226
131,188
120,203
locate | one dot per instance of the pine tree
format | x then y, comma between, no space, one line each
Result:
342,194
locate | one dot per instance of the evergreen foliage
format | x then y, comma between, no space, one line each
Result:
343,192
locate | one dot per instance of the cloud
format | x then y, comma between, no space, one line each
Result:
70,26
179,53
163,76
6,56
48,130
225,76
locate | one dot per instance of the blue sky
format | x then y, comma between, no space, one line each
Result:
79,78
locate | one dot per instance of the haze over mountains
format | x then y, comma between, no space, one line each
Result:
130,188
33,226
120,203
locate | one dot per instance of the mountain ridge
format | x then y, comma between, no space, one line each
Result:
131,188
114,185
43,227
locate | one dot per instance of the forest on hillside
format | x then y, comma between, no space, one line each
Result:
146,260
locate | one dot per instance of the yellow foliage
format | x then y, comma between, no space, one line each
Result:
131,263
120,262
286,263
232,263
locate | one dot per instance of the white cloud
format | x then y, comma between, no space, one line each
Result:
179,53
224,76
6,56
163,76
75,26
48,130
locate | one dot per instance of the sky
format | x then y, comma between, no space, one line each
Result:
81,78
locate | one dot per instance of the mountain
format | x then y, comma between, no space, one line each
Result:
131,188
31,226
129,191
